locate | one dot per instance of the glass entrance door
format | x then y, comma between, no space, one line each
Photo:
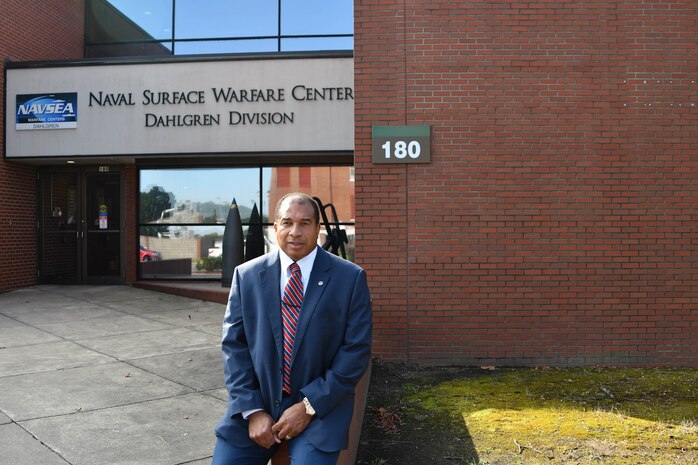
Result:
80,227
59,228
102,246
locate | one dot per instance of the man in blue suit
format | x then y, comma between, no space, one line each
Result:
308,403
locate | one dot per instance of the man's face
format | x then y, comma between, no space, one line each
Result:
296,229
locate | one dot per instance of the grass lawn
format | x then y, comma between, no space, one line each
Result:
609,416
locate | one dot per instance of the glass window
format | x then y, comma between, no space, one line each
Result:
317,43
181,252
128,28
153,17
223,18
310,17
197,196
333,185
189,27
155,49
304,175
226,46
183,211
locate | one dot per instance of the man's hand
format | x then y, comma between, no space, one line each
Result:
259,428
292,423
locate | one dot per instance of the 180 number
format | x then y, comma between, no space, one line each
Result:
402,149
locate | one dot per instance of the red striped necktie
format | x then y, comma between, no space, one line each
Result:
290,311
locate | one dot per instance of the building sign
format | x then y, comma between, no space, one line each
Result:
46,111
401,144
181,107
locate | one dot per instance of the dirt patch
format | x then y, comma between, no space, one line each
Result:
397,431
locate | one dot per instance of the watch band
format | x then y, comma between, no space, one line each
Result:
308,408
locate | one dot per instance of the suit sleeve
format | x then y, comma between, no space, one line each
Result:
353,356
240,378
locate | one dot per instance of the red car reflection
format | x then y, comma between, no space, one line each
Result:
148,255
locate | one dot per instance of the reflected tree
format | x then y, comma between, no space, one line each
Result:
152,204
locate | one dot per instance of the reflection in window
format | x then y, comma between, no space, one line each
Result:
169,27
128,28
283,176
309,17
331,184
222,18
316,44
226,46
304,176
153,17
197,196
182,212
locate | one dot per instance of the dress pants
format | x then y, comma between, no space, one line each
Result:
300,451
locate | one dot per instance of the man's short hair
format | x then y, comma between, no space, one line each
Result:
300,198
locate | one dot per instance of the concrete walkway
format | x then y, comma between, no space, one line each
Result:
93,375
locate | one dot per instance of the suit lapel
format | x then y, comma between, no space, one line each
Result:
269,277
317,284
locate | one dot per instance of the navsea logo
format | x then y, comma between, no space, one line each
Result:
47,111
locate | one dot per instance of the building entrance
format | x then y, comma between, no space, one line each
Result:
80,227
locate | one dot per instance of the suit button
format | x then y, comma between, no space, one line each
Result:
277,403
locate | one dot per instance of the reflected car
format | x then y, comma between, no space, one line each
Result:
149,255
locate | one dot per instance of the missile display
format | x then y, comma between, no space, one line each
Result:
254,243
233,252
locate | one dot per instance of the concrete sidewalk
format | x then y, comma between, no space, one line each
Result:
93,375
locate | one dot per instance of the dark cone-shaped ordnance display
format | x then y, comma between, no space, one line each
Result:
254,243
233,244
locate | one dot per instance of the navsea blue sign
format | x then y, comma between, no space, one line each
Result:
47,111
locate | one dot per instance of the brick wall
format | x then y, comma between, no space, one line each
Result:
557,221
29,32
131,254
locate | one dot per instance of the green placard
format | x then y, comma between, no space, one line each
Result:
401,144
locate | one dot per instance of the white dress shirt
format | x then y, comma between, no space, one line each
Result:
306,265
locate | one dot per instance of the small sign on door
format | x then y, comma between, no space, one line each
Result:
103,217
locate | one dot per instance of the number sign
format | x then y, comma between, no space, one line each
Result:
401,144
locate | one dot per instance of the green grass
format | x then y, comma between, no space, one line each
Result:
609,416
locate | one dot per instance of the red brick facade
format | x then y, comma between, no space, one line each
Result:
29,33
130,253
558,220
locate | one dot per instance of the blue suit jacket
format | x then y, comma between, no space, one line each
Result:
331,350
